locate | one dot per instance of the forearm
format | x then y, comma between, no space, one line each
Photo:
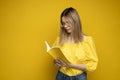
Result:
78,66
60,63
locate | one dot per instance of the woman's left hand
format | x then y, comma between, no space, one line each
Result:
60,63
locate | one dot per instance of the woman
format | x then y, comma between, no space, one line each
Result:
77,47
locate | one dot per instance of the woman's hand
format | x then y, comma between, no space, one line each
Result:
60,63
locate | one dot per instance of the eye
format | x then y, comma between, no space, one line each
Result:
63,23
67,22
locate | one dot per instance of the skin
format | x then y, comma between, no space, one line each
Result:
59,62
66,25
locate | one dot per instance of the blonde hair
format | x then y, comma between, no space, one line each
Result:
77,34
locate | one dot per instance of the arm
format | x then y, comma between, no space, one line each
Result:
90,62
78,66
61,63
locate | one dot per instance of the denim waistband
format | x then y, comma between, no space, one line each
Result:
62,76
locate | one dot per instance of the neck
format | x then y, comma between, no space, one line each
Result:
70,40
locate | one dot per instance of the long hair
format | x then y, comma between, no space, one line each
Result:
76,35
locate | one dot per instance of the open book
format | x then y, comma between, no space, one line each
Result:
56,52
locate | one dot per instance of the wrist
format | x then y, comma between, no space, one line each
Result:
70,64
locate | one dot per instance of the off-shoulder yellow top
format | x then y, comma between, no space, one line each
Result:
80,53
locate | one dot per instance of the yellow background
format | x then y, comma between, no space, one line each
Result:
26,24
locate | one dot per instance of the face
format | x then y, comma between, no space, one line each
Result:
66,25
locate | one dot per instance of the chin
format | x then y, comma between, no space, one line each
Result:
69,32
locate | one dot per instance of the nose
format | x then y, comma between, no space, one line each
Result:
65,26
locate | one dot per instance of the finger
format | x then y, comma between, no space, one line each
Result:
62,62
57,60
58,65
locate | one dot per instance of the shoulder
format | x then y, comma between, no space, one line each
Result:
88,42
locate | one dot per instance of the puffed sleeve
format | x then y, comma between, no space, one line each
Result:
91,56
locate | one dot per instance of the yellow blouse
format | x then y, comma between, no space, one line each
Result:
81,53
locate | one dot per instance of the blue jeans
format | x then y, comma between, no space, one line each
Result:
62,76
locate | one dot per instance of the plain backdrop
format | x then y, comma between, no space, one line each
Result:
26,24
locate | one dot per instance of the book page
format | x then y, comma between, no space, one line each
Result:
55,52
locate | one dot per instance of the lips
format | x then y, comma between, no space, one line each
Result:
68,30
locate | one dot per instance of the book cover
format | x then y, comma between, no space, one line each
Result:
55,52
